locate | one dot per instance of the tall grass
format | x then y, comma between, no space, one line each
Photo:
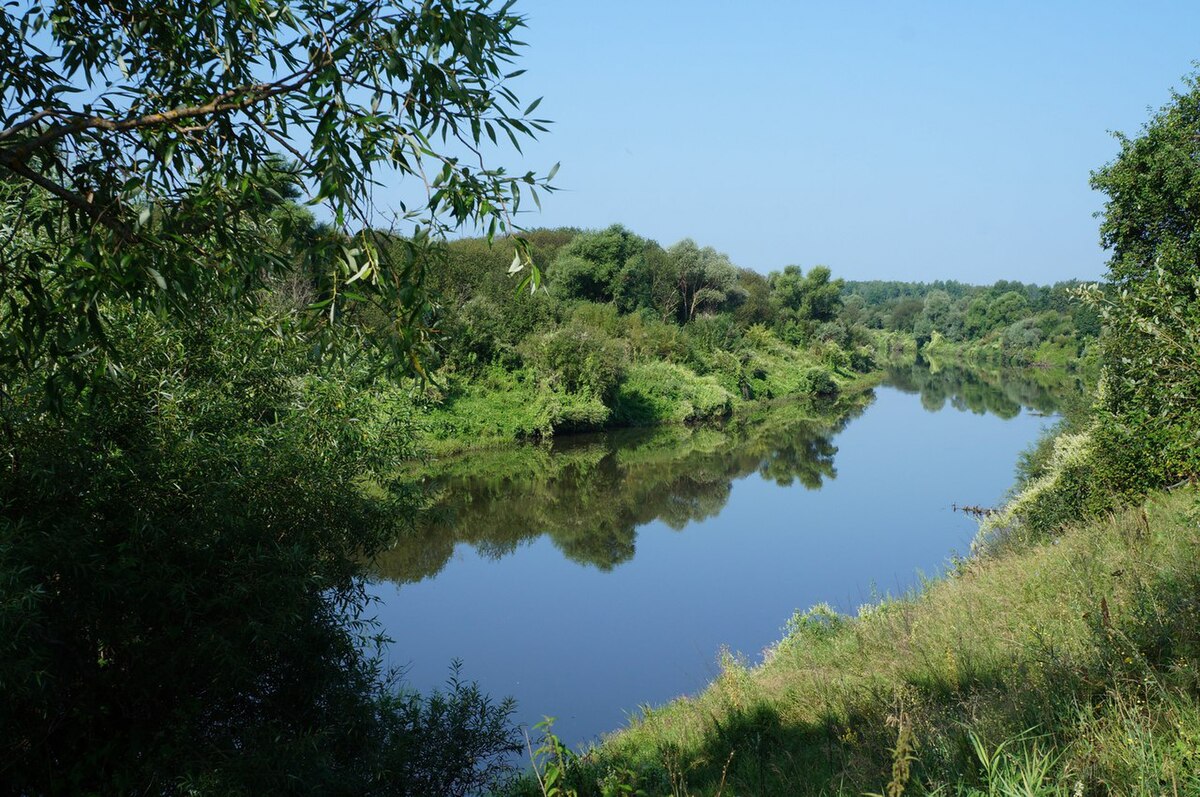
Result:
1068,666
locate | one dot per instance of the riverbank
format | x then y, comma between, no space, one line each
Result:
500,406
597,573
1072,663
1063,352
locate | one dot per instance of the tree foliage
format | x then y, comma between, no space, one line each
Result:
182,603
707,279
1150,404
179,566
140,141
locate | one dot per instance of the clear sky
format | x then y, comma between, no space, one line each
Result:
906,140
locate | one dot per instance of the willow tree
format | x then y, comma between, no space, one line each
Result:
706,279
180,549
146,133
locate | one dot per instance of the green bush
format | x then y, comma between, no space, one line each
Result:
659,392
709,333
862,359
578,358
557,411
1149,414
653,339
817,381
182,560
573,277
497,406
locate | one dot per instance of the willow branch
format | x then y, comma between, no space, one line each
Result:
230,101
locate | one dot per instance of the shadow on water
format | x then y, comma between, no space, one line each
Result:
590,493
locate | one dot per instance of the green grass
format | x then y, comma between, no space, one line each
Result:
501,407
1068,666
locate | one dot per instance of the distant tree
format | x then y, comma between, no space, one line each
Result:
854,309
706,278
904,314
808,297
936,316
976,322
575,277
649,280
1007,308
611,246
756,307
590,266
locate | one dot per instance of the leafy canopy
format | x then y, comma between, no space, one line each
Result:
140,143
1151,313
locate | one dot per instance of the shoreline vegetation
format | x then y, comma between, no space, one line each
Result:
629,334
499,497
837,692
1062,667
208,399
1062,657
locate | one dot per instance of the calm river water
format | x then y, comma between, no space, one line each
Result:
609,571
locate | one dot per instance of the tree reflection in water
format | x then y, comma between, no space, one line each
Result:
591,493
999,392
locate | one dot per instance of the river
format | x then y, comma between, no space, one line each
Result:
609,571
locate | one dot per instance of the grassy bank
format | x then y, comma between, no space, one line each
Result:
1068,665
620,386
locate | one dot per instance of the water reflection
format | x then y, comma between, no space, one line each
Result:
590,494
1002,392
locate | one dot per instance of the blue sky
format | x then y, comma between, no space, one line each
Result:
887,140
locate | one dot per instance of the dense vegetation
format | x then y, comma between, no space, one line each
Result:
1063,657
628,333
207,398
196,429
1008,323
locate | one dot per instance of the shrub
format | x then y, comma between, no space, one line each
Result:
556,411
573,277
862,359
835,357
1064,491
578,359
816,381
708,333
653,339
819,624
656,392
760,337
1149,415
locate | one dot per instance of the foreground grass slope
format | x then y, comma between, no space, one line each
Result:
1069,665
